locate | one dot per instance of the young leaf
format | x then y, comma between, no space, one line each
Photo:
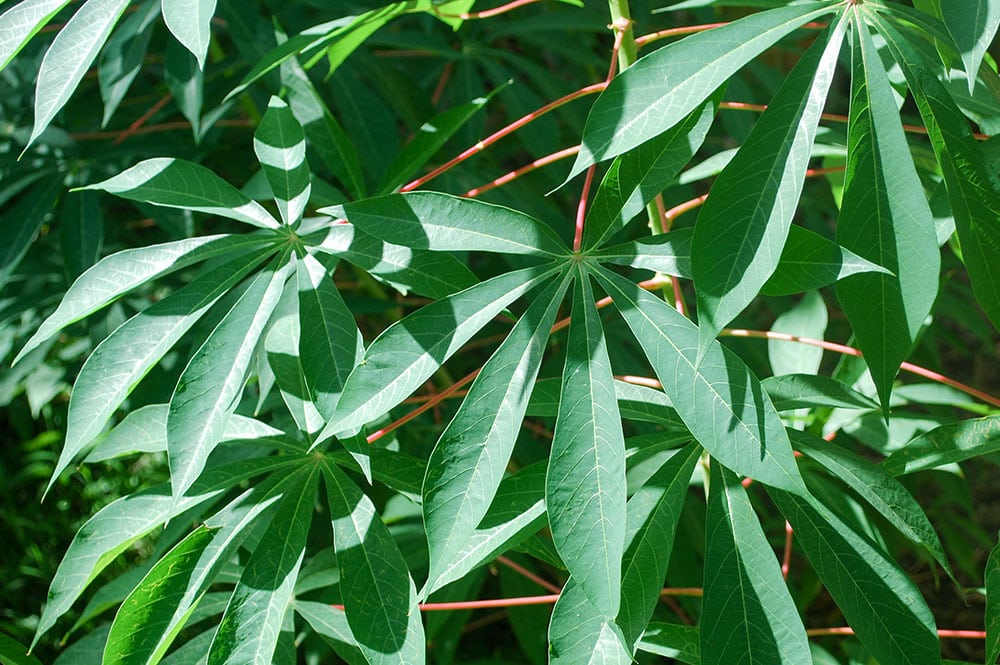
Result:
880,602
175,183
70,55
973,24
280,145
947,444
22,22
409,351
190,23
748,613
884,218
662,88
743,225
721,402
440,222
469,460
210,386
380,599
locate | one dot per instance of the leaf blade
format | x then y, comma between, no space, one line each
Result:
280,146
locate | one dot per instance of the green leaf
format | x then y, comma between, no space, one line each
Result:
743,225
879,489
662,88
22,22
330,344
991,576
280,145
81,232
973,24
411,350
186,82
23,221
380,599
747,612
119,362
331,623
282,348
634,402
210,386
175,183
808,391
70,55
666,253
432,274
947,444
116,275
585,488
121,59
973,185
882,604
190,23
441,222
884,218
469,460
652,516
580,634
721,402
672,640
636,177
807,318
253,619
13,652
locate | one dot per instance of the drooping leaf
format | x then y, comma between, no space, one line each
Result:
467,464
882,604
175,183
211,383
380,599
190,23
70,55
747,612
973,24
22,22
721,402
121,59
808,391
186,82
884,218
743,225
409,351
440,222
672,640
662,88
280,145
947,444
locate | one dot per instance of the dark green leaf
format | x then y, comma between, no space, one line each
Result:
947,444
808,391
280,145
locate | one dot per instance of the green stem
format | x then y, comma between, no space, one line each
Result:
621,19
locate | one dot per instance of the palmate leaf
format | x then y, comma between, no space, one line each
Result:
585,487
748,613
22,22
662,88
380,599
743,225
409,351
721,402
469,460
886,219
880,602
190,23
280,146
210,385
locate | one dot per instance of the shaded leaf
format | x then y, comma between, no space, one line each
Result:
973,24
280,146
580,634
22,222
947,444
992,620
672,640
121,59
808,391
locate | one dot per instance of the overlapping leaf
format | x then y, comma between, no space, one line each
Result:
190,22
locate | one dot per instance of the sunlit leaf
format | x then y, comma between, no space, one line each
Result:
190,23
280,145
947,444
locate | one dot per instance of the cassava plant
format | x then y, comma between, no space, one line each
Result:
360,395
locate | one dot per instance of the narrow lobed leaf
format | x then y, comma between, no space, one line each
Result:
280,146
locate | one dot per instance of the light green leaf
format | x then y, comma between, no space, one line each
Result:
330,344
973,185
743,225
210,386
22,22
884,218
252,621
380,599
662,88
280,145
807,318
636,177
807,391
652,516
121,59
432,274
282,348
119,362
441,222
22,223
747,612
947,444
175,183
672,640
331,623
580,634
666,253
115,275
469,460
721,402
973,24
411,350
991,576
585,487
70,55
879,489
190,22
882,604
